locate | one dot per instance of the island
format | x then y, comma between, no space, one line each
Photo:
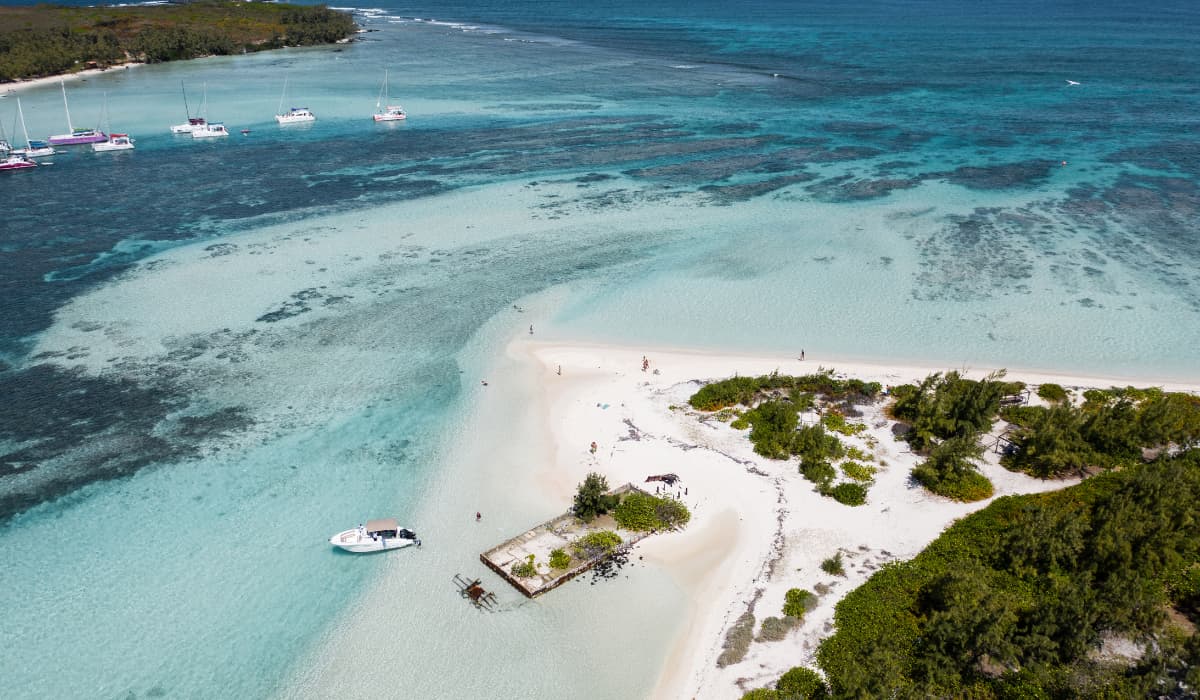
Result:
45,40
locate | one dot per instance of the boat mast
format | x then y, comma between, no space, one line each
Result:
66,107
185,104
21,112
283,96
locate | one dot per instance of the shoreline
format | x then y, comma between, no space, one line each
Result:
757,527
30,83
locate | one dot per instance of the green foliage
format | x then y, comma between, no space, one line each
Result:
811,442
747,390
596,544
592,498
737,640
48,40
559,559
834,566
942,407
1010,601
820,473
775,629
837,423
849,493
798,601
774,428
525,569
1053,393
858,455
951,470
801,684
859,472
761,694
642,512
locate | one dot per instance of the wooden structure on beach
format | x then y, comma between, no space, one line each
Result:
474,591
553,534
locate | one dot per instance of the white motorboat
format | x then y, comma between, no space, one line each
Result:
294,115
115,142
210,130
385,112
376,536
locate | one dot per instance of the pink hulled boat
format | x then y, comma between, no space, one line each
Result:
16,163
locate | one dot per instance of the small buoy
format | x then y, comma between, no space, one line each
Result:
1064,163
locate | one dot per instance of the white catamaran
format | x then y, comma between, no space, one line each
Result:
294,115
385,112
33,148
115,142
77,136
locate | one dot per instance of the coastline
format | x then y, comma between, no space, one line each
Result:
30,83
758,528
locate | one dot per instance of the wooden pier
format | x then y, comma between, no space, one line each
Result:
548,536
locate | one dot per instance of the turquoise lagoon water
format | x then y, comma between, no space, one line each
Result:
215,354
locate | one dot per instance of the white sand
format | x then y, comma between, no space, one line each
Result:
19,85
758,527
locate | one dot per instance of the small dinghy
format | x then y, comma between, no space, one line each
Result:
375,536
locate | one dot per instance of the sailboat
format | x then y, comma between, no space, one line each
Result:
385,112
207,129
115,142
192,122
14,161
294,115
32,148
77,136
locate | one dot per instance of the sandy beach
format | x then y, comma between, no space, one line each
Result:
20,85
758,528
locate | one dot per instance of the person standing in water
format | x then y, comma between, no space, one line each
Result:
531,329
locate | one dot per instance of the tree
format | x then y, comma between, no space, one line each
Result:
951,470
592,498
801,684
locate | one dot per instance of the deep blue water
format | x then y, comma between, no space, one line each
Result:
921,166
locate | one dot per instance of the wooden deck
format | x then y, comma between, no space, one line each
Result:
546,537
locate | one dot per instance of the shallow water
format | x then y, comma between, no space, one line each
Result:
219,353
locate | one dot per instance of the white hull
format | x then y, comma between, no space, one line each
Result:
183,129
35,152
390,117
294,118
210,132
122,145
354,541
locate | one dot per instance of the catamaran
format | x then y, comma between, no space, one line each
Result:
115,142
294,115
210,130
78,136
385,112
33,149
192,122
376,536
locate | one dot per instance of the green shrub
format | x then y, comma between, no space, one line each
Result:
811,442
761,694
592,498
798,601
951,471
820,473
858,472
596,544
775,629
746,390
858,455
801,684
559,559
1053,393
837,423
525,569
849,493
833,565
942,407
642,512
774,428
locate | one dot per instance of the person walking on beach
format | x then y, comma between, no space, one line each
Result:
531,329
478,516
594,447
802,354
645,363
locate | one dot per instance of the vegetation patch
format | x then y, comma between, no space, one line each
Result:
797,684
834,565
642,512
947,406
748,390
1053,393
526,568
592,498
848,493
859,472
559,559
951,470
596,544
776,629
737,641
837,423
798,601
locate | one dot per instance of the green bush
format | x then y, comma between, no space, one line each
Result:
643,512
951,471
525,569
858,455
761,694
798,601
833,565
747,390
849,493
596,544
1053,393
559,559
837,423
592,498
811,442
858,472
774,428
820,473
737,640
801,684
943,407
